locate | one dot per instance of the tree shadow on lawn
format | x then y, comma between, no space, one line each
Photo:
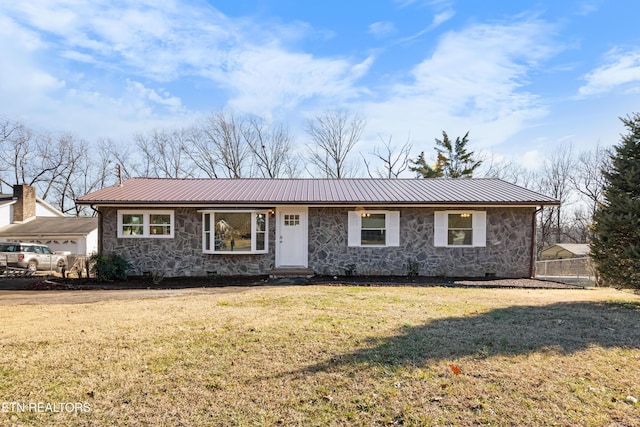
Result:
565,328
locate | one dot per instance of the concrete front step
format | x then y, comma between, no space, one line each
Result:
278,273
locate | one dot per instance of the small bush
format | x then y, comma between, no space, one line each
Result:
350,270
157,276
107,267
413,268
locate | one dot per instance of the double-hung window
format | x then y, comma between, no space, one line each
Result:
145,223
460,228
235,232
374,228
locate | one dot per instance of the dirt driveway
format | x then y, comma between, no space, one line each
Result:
13,297
46,290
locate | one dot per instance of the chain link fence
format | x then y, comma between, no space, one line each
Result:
570,270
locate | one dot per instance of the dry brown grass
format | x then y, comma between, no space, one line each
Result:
329,356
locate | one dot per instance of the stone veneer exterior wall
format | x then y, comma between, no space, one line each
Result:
507,253
182,255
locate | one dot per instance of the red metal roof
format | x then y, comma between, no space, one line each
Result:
315,191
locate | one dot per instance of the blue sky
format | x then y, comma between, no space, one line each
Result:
520,76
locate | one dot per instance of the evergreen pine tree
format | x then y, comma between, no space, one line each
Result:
453,160
423,170
615,247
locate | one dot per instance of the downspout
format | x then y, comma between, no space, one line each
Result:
532,259
100,247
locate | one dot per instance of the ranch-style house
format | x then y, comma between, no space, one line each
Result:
431,227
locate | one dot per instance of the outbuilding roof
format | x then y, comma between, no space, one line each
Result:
52,226
360,191
577,249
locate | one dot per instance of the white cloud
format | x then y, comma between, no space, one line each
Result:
267,78
164,99
474,81
382,28
157,41
438,19
23,82
404,3
441,18
77,56
57,18
118,45
587,8
621,72
46,93
532,159
437,4
132,57
17,36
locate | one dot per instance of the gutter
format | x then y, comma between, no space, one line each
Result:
532,255
345,203
100,247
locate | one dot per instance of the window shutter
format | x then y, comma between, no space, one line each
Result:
353,228
393,228
440,226
479,229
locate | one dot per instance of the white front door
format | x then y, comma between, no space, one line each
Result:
291,237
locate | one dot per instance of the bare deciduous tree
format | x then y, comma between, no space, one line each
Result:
577,229
165,154
508,170
555,182
393,162
48,162
74,154
334,134
113,158
202,153
270,147
57,157
18,152
224,135
92,172
7,130
588,179
64,167
36,159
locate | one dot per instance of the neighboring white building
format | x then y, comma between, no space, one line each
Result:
11,208
27,218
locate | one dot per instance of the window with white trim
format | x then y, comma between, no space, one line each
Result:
460,228
374,228
235,232
145,223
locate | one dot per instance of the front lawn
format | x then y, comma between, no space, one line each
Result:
326,355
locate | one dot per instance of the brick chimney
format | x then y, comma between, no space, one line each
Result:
25,207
